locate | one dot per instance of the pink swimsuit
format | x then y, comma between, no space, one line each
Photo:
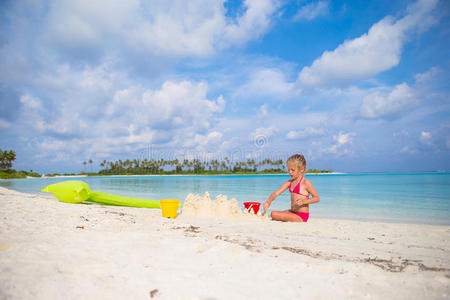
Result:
297,188
302,215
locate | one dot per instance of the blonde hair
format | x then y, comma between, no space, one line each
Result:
298,159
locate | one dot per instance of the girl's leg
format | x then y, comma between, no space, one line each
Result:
285,216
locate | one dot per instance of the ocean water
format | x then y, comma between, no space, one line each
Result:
385,197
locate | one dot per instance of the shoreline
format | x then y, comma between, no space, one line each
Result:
249,174
155,175
227,174
175,175
50,249
224,174
61,176
403,217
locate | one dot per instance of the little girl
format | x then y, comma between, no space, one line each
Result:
300,189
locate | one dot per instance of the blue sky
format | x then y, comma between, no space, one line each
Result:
353,85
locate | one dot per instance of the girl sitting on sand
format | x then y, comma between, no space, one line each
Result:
300,188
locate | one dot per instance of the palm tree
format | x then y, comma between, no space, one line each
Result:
144,165
11,157
179,167
103,163
137,163
251,164
174,163
227,162
90,163
280,163
6,159
126,163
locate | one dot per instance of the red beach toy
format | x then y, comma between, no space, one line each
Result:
252,205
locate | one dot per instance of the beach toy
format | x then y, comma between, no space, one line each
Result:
77,191
72,191
252,205
105,198
169,208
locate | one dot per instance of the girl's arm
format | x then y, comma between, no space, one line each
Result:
315,196
275,194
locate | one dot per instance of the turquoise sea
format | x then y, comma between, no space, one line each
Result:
385,197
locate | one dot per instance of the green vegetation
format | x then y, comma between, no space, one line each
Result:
159,167
11,174
194,166
319,171
59,174
6,159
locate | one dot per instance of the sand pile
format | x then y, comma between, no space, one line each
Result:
221,207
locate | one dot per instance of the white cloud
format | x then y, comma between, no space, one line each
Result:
312,11
177,105
255,21
263,112
52,150
167,28
53,145
265,131
202,141
31,102
265,83
428,76
341,139
304,134
372,53
176,114
406,149
32,112
420,16
75,25
261,136
4,125
426,142
379,104
401,133
69,98
425,137
91,80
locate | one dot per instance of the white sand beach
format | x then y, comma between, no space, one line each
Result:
54,250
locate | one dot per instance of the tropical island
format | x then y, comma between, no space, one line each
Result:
195,166
159,167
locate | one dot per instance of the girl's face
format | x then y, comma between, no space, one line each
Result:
294,170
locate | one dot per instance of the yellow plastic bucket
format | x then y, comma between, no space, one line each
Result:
169,208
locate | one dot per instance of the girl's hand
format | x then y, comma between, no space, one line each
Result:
299,202
266,205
